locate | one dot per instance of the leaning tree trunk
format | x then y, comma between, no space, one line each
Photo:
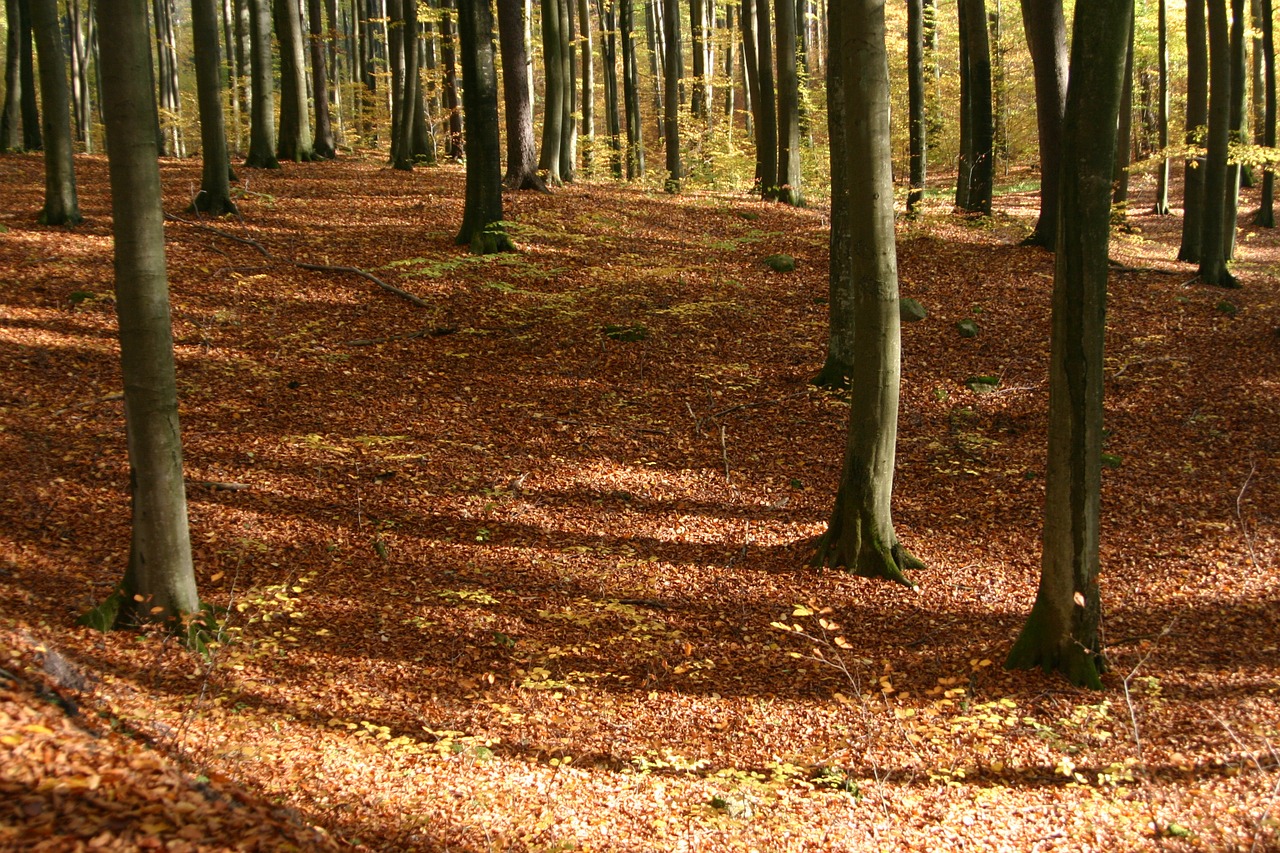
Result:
1193,174
860,536
294,142
482,213
767,114
60,205
1061,633
788,107
262,139
1162,117
1266,216
325,147
522,154
672,71
915,105
159,583
631,93
215,187
840,317
1213,257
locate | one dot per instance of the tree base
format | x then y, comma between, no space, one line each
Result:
261,161
489,240
1038,238
1265,218
60,217
119,612
868,559
833,376
213,205
528,180
1037,647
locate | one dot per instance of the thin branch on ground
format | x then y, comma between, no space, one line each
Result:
1244,528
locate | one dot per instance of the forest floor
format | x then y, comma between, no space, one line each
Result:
502,567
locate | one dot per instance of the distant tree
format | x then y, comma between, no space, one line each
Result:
916,119
631,93
262,138
974,182
673,71
588,99
159,583
1213,257
698,41
1124,137
767,105
325,145
60,205
215,187
789,190
454,146
1235,130
522,155
29,106
1197,117
166,41
1266,215
482,215
569,122
608,18
556,89
1162,117
1061,632
11,116
860,536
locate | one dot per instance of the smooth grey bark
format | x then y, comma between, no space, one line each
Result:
215,186
751,80
167,69
631,92
294,141
767,114
159,583
860,535
60,205
657,59
553,100
79,35
1061,632
916,129
324,144
673,71
1124,137
974,183
1046,32
608,18
588,100
522,153
1162,109
1213,257
11,117
482,226
1236,130
569,122
730,65
840,317
1197,118
262,138
789,190
455,146
395,59
1266,216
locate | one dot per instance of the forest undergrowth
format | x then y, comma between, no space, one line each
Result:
521,563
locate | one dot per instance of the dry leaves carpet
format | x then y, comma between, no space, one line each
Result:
502,571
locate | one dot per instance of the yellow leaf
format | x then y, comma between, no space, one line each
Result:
38,729
801,610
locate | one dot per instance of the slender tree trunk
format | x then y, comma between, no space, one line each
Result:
1237,135
1061,632
400,158
1266,216
1124,137
60,205
522,153
860,535
976,165
730,70
915,104
1213,257
569,124
482,215
767,112
999,89
631,93
80,98
159,583
262,141
325,147
607,15
698,39
553,101
1047,39
455,149
657,59
170,95
1162,118
588,100
1197,117
215,187
789,190
674,70
11,118
29,106
751,80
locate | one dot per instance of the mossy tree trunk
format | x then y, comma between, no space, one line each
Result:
860,535
60,205
1061,633
159,584
215,174
482,214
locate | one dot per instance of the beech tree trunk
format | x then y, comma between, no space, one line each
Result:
29,105
1266,216
1213,256
631,93
588,100
262,140
455,147
698,39
673,71
916,105
860,536
553,99
325,146
159,583
522,153
607,15
60,205
482,214
215,187
1124,137
767,111
789,191
1236,131
1162,118
569,123
1061,632
294,141
974,184
11,117
167,65
1193,187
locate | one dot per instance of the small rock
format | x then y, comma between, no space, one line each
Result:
780,263
911,311
967,329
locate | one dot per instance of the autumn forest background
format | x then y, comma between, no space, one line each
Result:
511,550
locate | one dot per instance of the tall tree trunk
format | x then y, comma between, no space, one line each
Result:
60,205
751,80
1193,188
698,39
631,93
325,147
860,535
400,159
789,190
569,123
215,187
657,59
553,100
1237,135
30,109
1266,216
1124,137
999,89
916,104
482,214
167,63
455,147
262,140
11,118
673,72
80,89
522,153
1162,117
159,583
588,99
976,161
1213,257
1061,632
767,113
607,15
730,69
294,142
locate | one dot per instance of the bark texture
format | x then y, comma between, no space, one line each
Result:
60,204
482,215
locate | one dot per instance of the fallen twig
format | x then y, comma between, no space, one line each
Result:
110,398
1244,529
1143,361
424,332
697,427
